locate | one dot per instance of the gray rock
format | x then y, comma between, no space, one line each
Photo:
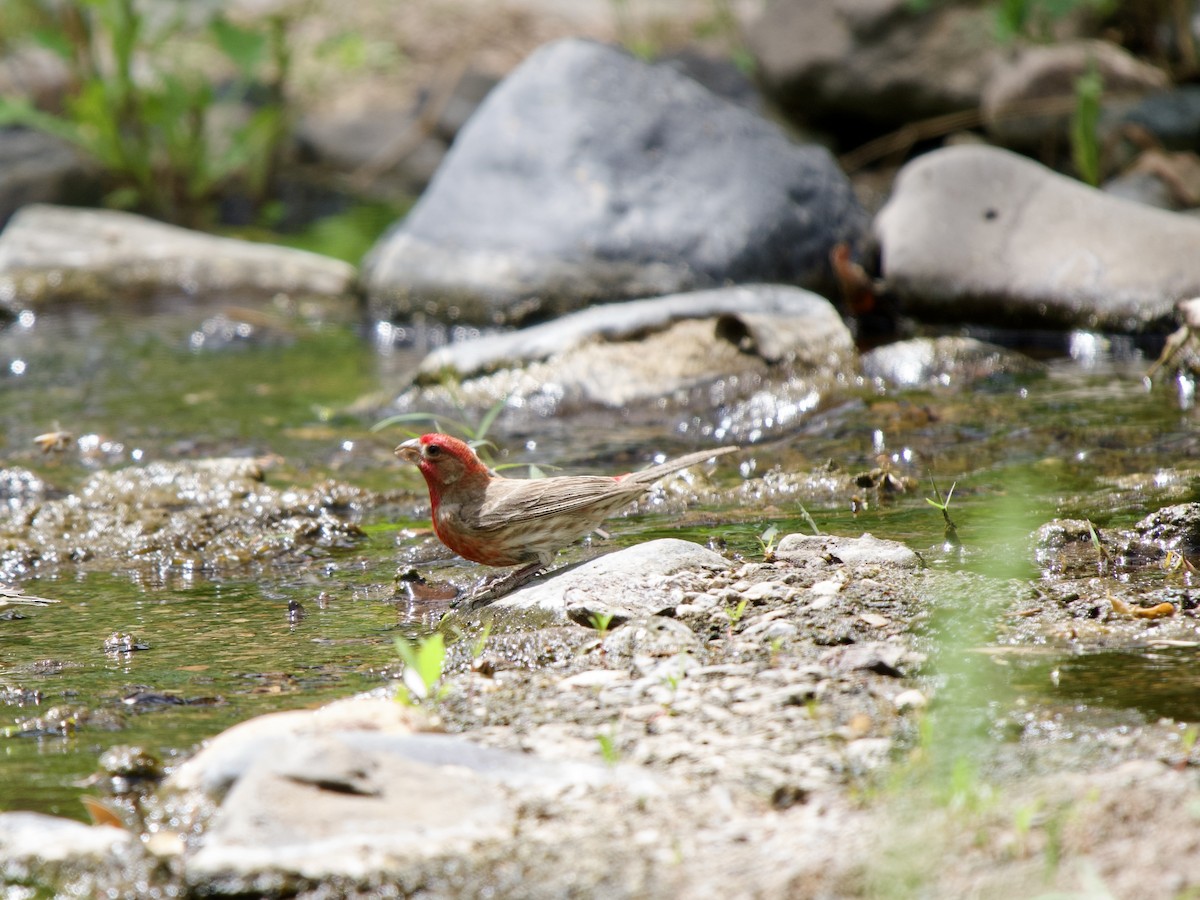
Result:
273,826
638,581
346,795
880,61
50,253
1173,527
1046,73
225,758
588,175
34,73
649,643
1143,187
38,168
981,234
946,361
1172,116
801,549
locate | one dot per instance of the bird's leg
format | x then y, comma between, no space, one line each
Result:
505,584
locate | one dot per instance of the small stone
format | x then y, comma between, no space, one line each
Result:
766,590
593,678
909,700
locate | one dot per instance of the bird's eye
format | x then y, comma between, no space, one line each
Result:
433,450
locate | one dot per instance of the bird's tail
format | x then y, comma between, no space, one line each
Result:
652,474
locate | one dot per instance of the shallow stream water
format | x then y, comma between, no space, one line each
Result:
211,651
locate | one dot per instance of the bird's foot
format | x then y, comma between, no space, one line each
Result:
505,584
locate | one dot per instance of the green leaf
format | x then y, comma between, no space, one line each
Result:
423,664
245,48
489,418
55,41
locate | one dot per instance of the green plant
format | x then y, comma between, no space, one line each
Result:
608,745
735,615
807,517
148,118
1085,145
1098,546
601,622
950,533
424,662
766,542
474,434
1035,19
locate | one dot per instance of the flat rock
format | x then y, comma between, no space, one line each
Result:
981,234
586,176
278,824
822,549
765,310
51,253
744,360
641,580
322,797
225,758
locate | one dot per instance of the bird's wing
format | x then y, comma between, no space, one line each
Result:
521,499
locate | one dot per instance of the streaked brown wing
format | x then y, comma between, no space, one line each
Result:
519,499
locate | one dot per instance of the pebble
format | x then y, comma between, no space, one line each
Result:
766,590
592,678
910,699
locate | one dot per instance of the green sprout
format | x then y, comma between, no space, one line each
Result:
424,664
950,535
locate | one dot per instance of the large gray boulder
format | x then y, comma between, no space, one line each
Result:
588,175
984,235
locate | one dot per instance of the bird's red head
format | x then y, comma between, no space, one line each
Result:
445,461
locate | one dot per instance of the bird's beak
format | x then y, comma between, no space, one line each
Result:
409,451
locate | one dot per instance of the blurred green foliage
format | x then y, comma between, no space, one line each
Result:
1085,123
170,142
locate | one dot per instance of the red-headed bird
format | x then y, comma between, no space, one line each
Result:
499,521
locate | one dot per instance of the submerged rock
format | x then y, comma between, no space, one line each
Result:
51,253
213,515
822,550
51,856
980,234
743,361
944,361
590,176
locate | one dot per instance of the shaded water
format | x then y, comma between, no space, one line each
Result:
220,650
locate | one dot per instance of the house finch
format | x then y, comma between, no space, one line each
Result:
500,521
